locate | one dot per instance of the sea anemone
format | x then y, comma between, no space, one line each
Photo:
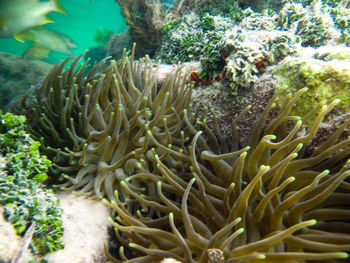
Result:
94,126
265,202
178,190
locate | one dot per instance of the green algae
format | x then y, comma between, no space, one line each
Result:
26,199
326,75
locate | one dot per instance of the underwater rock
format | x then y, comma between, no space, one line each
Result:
325,71
228,106
125,40
10,242
17,75
85,226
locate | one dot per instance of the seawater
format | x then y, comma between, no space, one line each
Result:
84,18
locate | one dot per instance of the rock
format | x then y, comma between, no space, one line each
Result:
11,243
85,229
17,75
325,71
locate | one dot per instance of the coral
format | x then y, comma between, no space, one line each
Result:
251,49
228,8
267,20
195,37
281,45
240,50
313,23
26,201
325,72
244,55
341,17
263,202
94,125
147,19
260,6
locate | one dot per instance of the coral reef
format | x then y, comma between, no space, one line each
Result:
27,203
251,50
178,188
265,202
340,13
260,6
313,23
243,45
195,37
147,19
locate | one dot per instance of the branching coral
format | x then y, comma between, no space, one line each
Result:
94,125
267,202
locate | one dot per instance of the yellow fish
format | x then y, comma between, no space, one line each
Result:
17,16
44,41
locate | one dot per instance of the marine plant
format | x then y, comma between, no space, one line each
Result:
94,125
26,200
268,201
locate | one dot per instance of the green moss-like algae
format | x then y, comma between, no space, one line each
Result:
25,199
327,76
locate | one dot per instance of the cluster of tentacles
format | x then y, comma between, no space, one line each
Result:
177,190
262,203
94,126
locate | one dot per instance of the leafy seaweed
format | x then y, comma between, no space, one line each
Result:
22,193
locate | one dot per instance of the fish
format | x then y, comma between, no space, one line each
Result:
45,40
18,16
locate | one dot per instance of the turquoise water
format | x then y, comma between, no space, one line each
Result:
84,18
